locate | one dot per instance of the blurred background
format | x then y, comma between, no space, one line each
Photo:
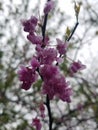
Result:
18,107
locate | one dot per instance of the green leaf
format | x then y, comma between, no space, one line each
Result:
67,33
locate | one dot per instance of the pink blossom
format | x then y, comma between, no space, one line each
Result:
66,96
48,71
30,24
34,20
27,76
48,7
34,39
36,122
38,49
54,83
57,86
35,63
61,46
42,110
76,66
47,55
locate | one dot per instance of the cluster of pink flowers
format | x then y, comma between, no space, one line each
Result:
45,64
76,66
36,122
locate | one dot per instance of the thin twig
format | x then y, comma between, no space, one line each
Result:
44,25
74,29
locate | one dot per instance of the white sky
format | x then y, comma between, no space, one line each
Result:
88,51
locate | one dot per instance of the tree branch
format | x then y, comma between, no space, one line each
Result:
74,29
49,112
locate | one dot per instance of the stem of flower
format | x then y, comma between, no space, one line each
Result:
74,29
44,25
49,112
